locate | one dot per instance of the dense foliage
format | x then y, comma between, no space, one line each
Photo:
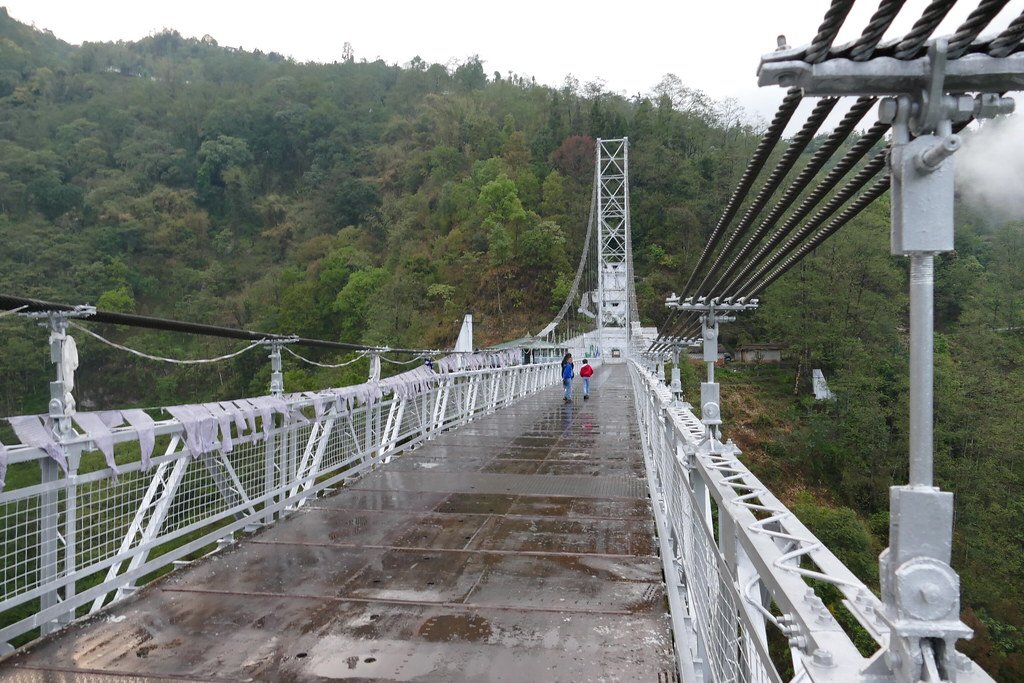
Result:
355,201
372,203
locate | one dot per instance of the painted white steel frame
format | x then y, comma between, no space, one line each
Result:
732,576
251,485
613,232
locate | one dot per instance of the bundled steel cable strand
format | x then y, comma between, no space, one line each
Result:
820,157
778,174
911,45
686,331
757,162
874,192
827,32
1007,42
764,148
854,185
876,28
26,305
849,160
682,326
975,23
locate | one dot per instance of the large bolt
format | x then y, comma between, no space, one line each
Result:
932,158
990,105
822,657
887,109
931,593
962,108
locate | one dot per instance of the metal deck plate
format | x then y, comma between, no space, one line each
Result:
517,548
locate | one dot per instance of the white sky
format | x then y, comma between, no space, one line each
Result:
713,45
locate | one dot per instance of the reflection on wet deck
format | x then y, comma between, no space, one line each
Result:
518,548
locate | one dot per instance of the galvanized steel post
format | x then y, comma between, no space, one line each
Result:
924,98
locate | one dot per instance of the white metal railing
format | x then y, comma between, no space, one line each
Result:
73,541
737,562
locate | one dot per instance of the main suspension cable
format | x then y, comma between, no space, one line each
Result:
849,160
975,23
757,162
914,41
881,20
168,325
778,174
880,187
827,32
583,261
854,185
800,183
1009,40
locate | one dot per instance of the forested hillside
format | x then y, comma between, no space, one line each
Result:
358,202
373,203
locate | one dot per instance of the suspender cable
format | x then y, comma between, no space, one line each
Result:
849,160
580,268
778,174
800,183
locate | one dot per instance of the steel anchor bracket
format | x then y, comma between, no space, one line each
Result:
923,99
710,317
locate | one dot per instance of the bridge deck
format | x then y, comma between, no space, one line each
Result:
519,548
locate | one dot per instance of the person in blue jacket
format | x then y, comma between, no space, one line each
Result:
567,375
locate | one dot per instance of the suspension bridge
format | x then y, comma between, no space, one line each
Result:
458,520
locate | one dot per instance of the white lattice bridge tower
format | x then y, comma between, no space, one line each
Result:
614,252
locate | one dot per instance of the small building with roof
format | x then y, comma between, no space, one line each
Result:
760,353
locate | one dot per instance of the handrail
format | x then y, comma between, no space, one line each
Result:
80,539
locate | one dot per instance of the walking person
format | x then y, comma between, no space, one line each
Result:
586,371
568,372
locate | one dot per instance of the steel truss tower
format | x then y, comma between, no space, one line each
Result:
614,255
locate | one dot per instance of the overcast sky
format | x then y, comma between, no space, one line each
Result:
713,45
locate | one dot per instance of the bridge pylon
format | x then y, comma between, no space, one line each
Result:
614,247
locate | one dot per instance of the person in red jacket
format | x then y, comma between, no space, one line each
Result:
586,372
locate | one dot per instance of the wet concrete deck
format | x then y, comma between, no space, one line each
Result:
518,548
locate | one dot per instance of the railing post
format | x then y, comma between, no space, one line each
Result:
711,411
275,444
710,401
677,384
276,375
921,591
53,564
